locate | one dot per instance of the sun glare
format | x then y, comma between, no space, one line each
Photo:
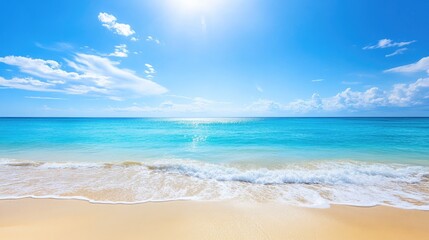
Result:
194,6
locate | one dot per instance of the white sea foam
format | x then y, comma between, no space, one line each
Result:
316,184
323,173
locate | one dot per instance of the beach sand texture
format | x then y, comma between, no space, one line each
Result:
72,219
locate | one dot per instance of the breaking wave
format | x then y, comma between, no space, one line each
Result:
311,184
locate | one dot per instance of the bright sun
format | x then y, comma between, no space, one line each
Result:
195,6
193,14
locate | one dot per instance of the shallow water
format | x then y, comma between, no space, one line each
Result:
311,162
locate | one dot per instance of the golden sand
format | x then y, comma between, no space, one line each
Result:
80,220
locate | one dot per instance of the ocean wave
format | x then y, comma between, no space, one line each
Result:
323,173
311,184
346,172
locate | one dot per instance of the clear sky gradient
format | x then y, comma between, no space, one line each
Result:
206,58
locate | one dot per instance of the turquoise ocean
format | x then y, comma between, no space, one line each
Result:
311,162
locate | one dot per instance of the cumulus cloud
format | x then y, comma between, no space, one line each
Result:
387,43
401,95
152,39
302,106
120,51
349,99
410,94
264,105
92,74
150,71
110,22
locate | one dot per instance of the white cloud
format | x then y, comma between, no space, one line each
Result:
106,18
110,22
419,66
110,76
115,98
44,98
302,106
263,105
29,84
152,39
345,100
349,99
134,39
58,47
401,95
387,43
259,88
47,69
318,80
397,52
120,51
84,89
410,94
92,74
150,71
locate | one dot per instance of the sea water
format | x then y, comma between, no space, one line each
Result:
312,162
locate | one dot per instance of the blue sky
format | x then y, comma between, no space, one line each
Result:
202,58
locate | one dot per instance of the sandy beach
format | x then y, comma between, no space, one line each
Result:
214,120
73,219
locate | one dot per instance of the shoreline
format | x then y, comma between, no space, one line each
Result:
310,185
30,218
96,202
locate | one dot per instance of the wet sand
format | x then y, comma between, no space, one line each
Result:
72,219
